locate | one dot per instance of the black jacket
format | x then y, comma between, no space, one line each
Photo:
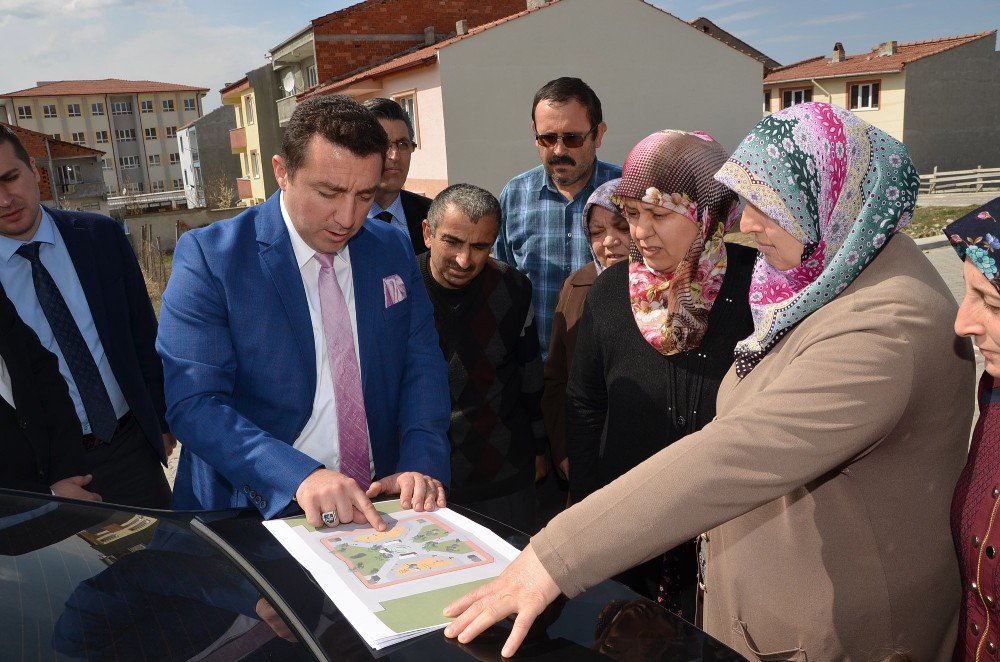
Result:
415,207
42,439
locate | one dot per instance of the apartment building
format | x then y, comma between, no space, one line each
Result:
133,123
257,136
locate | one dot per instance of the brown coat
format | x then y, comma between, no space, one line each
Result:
569,308
824,483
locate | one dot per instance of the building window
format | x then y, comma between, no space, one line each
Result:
409,105
69,174
767,101
180,141
150,133
124,135
189,105
157,186
80,138
176,184
255,165
121,107
102,137
97,109
73,110
49,110
185,176
154,159
107,164
175,158
146,106
24,112
864,96
168,105
249,99
311,77
57,136
128,162
792,97
171,132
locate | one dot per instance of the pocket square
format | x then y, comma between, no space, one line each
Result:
395,289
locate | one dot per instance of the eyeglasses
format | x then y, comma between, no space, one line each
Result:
404,146
571,140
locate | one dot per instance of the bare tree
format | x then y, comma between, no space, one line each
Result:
220,193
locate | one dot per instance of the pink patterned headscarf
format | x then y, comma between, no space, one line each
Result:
674,169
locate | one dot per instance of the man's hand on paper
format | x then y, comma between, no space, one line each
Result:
525,588
326,491
416,490
275,622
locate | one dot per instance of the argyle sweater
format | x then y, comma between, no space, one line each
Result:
489,338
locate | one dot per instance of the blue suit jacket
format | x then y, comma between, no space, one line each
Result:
237,347
119,303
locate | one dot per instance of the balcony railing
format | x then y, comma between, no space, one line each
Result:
286,107
238,140
82,190
243,188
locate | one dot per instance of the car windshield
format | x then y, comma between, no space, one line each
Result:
95,583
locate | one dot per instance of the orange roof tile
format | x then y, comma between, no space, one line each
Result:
240,85
102,86
870,62
60,149
414,58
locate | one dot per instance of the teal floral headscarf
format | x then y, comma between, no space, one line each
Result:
976,237
838,185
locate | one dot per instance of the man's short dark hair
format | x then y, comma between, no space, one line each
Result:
387,109
476,203
7,135
340,120
566,89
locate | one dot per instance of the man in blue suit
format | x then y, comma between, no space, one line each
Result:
298,342
74,279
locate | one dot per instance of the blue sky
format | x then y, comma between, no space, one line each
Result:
212,42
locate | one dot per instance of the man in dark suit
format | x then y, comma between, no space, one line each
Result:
38,425
298,342
73,278
392,204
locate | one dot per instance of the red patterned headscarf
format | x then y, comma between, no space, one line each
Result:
674,169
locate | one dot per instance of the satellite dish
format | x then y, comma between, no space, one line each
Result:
288,82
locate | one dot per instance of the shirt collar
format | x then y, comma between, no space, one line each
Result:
547,182
395,208
303,253
44,234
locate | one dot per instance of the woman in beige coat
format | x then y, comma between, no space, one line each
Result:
825,481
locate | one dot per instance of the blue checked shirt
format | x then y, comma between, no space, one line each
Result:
541,234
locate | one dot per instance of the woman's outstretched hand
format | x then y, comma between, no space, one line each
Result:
525,588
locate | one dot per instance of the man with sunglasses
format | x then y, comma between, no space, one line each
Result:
392,204
541,233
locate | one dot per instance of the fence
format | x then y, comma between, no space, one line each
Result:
153,262
959,181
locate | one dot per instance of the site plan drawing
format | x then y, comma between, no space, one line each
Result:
393,585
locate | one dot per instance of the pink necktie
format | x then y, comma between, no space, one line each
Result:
352,428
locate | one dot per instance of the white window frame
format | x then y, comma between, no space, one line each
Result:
154,159
171,132
102,137
177,184
24,112
121,107
798,96
861,87
97,109
156,186
125,135
250,115
408,102
190,105
69,174
145,106
255,164
312,77
73,110
49,111
168,106
149,133
107,164
175,158
128,162
79,137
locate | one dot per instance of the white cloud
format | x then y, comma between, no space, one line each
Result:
740,16
721,4
836,18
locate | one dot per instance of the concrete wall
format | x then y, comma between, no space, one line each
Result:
170,224
953,108
651,70
428,163
215,155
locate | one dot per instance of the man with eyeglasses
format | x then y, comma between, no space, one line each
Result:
392,204
541,233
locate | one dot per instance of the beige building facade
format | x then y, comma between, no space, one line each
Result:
245,142
651,70
134,124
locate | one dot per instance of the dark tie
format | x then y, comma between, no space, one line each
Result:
82,366
384,216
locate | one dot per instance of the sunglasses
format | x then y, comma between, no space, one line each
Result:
571,140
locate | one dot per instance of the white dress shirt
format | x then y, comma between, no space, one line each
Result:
6,390
319,439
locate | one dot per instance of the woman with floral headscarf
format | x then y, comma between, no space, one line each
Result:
974,521
657,332
824,483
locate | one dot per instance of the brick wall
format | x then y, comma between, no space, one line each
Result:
373,19
34,142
